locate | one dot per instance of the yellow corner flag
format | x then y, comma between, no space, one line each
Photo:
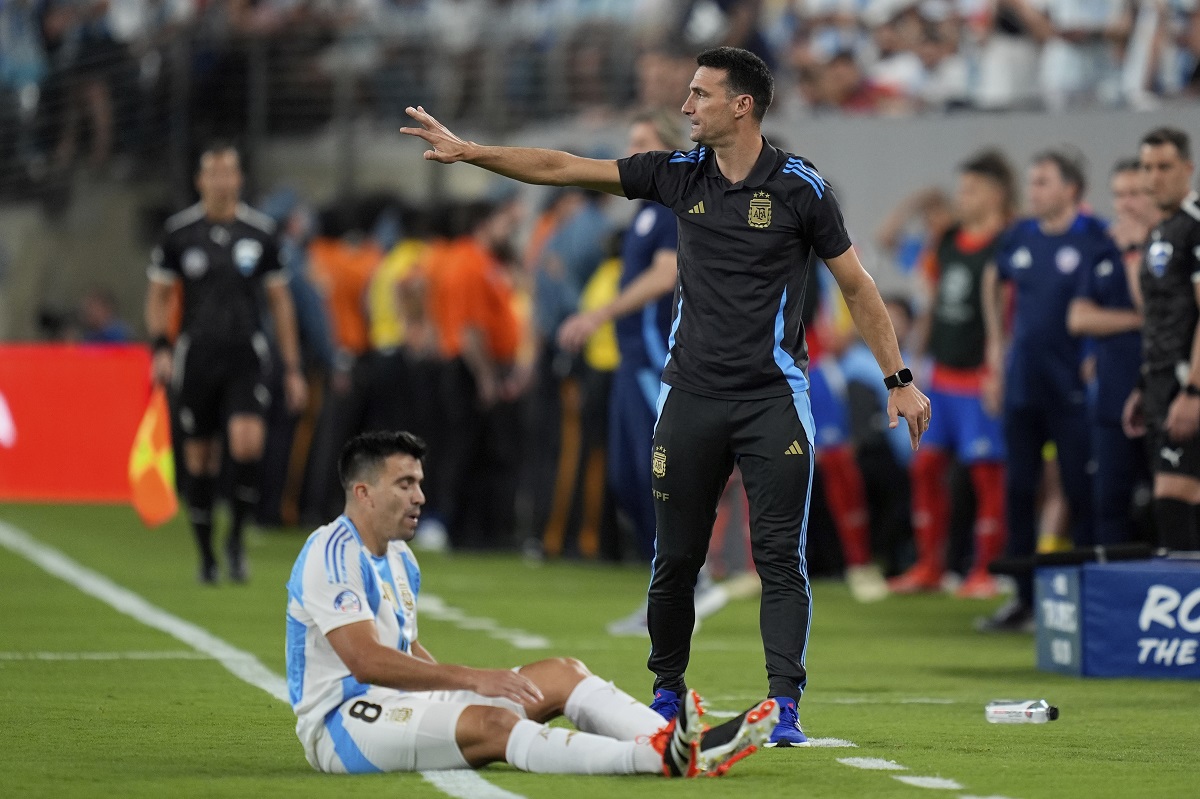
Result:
152,465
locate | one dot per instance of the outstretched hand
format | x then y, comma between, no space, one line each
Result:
447,147
910,403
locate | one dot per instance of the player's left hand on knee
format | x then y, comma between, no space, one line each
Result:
506,685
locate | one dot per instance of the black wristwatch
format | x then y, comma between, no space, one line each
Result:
1191,390
899,380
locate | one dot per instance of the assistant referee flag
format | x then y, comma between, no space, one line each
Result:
152,465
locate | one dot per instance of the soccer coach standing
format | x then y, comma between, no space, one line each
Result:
751,220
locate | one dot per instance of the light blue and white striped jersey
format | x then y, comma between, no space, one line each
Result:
336,582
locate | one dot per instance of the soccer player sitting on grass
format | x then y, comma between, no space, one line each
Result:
369,697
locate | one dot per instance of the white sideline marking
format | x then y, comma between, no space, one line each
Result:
872,763
832,743
70,656
846,700
245,666
241,664
939,783
434,607
606,645
928,701
466,784
862,700
722,714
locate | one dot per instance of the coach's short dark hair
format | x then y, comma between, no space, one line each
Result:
745,73
993,165
365,453
1175,136
1070,166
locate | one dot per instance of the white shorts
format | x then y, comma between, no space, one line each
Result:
388,730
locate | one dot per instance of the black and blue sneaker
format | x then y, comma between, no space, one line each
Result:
787,732
666,703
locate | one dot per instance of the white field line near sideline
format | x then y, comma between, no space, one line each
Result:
67,657
434,607
242,664
869,763
848,700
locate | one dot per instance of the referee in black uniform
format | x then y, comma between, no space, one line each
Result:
752,218
225,256
1166,405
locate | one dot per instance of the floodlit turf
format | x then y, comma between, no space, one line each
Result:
187,727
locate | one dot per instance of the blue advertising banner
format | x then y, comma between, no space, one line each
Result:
1141,619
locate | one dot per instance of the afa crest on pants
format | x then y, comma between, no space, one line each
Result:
658,462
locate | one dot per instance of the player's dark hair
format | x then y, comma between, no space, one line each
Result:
1174,136
366,452
216,147
745,73
1070,167
993,165
1126,165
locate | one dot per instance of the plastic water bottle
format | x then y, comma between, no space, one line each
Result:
1012,711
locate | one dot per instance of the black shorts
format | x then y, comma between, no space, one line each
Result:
1166,456
215,381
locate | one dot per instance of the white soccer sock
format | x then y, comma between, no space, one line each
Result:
602,708
555,750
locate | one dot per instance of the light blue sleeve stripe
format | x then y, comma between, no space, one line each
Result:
811,171
816,186
329,557
821,182
345,747
335,554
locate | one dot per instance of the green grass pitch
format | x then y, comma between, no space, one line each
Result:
184,726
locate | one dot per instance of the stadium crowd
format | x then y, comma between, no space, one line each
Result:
117,74
448,321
